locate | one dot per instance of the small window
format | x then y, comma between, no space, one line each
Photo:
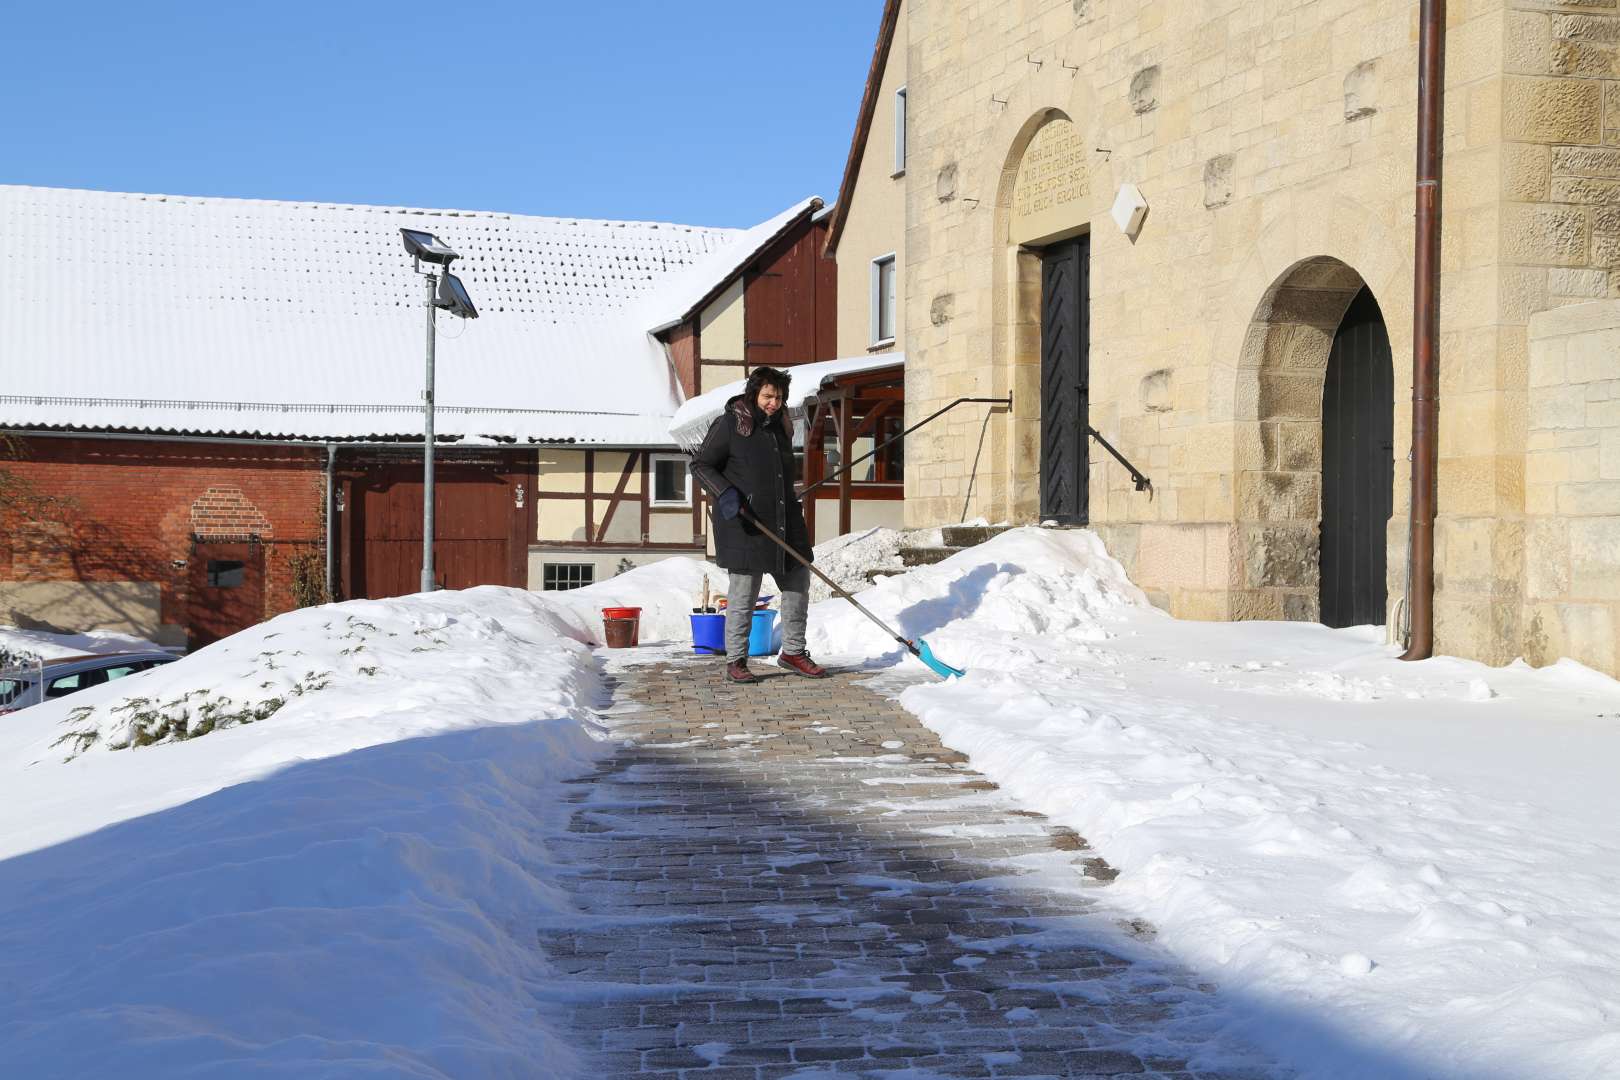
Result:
883,300
70,684
125,669
560,577
900,131
226,573
12,689
671,480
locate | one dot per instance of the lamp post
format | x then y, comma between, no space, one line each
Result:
444,290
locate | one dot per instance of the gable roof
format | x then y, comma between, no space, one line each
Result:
863,122
304,320
686,291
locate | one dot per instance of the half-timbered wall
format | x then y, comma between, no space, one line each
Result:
595,508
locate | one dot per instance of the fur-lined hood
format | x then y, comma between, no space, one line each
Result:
748,415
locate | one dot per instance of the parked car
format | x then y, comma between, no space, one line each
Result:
20,685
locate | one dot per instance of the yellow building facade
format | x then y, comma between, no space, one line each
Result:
1235,183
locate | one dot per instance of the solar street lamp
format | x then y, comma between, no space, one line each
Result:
444,290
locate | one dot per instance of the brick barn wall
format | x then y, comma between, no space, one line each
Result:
131,511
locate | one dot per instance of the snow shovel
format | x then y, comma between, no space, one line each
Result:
918,648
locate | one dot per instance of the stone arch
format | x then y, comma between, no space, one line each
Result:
1276,571
1055,94
1285,303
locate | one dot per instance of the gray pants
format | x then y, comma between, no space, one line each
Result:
740,597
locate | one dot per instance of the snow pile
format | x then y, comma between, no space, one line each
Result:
17,644
851,558
1062,585
666,591
1390,869
350,886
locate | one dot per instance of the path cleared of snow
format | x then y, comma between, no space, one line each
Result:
1418,859
1421,856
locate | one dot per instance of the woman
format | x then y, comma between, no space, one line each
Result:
746,465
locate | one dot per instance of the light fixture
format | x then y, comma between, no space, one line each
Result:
519,496
444,290
452,297
427,247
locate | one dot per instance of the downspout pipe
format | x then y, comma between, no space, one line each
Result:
331,522
1426,330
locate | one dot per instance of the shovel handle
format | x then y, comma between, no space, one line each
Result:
838,590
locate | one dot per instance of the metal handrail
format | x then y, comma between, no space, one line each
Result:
1007,401
1142,482
1138,478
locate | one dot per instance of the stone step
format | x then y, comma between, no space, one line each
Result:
925,556
961,536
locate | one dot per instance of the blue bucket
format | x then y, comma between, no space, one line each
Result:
761,635
709,634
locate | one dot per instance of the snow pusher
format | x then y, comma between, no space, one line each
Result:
916,647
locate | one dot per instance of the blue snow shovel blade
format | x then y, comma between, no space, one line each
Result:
936,665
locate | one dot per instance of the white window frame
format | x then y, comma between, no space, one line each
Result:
652,480
900,132
878,299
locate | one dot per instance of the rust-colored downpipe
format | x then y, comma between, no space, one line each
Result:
1426,330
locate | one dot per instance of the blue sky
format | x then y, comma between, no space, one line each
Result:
714,112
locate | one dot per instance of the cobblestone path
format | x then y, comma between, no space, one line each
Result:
797,879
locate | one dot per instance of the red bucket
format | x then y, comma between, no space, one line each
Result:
615,634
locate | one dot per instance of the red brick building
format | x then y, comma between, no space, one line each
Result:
212,406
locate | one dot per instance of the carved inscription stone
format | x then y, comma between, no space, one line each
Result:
1053,172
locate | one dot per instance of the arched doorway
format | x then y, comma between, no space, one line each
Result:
1358,465
1318,314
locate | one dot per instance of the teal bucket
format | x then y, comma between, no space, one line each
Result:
762,634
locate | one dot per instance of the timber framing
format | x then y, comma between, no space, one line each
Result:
600,508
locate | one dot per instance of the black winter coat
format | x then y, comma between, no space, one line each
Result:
747,450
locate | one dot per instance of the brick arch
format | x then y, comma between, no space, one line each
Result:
226,513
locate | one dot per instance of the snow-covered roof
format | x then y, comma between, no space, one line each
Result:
684,292
305,320
692,419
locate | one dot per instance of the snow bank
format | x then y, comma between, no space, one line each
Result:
1415,861
48,646
347,887
1061,585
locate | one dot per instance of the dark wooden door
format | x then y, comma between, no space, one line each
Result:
1065,374
1358,463
480,531
227,590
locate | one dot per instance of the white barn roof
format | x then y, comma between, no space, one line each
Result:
305,320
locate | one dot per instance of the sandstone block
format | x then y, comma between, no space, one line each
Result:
1557,235
1554,110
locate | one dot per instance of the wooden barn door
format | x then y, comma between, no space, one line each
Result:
480,530
227,590
1065,374
1358,463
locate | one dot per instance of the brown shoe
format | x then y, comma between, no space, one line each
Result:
801,664
737,671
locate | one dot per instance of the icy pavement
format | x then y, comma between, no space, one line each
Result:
798,880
